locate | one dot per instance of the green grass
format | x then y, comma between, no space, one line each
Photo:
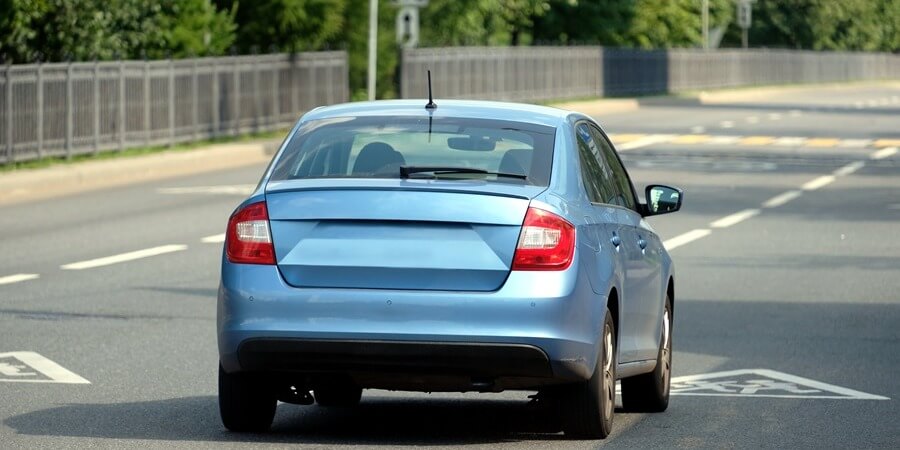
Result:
137,151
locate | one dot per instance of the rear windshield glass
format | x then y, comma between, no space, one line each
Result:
377,147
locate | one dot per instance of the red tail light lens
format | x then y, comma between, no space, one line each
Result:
546,242
248,240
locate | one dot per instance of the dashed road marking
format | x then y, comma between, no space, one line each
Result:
752,119
774,116
723,140
726,124
645,141
789,141
884,153
214,239
873,103
795,113
757,140
734,219
685,238
781,199
822,142
31,367
849,168
691,139
859,105
817,183
19,277
860,143
762,383
123,257
698,129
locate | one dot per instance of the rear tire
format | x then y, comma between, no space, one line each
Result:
587,407
649,392
245,402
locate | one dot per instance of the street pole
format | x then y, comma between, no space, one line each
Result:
705,24
373,46
744,38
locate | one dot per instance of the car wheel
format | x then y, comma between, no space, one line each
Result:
588,406
245,402
347,395
649,392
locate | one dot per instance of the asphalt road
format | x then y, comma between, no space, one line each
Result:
787,311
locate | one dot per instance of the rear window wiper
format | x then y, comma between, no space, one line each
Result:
405,171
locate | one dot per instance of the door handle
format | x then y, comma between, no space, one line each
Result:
616,240
642,243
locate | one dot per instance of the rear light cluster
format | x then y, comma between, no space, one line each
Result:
546,242
248,240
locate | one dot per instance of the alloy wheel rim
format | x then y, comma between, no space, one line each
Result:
609,381
666,349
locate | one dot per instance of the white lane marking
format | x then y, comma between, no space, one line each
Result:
762,383
686,238
10,279
734,219
698,129
237,189
789,141
873,102
849,168
774,116
645,141
884,153
726,124
883,102
781,199
795,113
752,119
31,367
723,140
859,105
123,257
214,239
856,143
895,99
817,183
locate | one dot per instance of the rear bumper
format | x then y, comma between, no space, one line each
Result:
540,326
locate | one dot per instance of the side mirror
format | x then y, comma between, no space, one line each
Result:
662,199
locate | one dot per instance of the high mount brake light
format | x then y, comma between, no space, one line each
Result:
248,240
546,242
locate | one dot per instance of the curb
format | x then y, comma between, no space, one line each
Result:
30,185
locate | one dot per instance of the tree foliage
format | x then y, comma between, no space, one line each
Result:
287,25
59,30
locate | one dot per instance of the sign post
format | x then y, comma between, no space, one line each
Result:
744,19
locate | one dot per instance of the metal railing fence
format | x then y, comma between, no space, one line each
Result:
548,73
67,109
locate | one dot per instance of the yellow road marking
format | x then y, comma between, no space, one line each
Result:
757,140
882,143
822,142
691,139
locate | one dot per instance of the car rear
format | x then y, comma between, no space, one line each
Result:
456,273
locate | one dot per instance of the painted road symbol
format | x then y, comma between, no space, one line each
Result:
762,383
30,367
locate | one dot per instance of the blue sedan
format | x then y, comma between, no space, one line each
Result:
468,246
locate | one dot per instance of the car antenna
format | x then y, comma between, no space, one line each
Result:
431,104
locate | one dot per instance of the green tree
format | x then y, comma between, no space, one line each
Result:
288,25
823,25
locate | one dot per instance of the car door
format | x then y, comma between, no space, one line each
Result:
607,225
642,297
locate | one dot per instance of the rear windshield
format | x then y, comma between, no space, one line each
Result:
377,147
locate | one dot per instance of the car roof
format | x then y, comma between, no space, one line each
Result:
516,112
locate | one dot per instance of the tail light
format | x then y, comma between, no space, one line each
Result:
547,242
248,240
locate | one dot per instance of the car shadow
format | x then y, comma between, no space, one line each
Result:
376,421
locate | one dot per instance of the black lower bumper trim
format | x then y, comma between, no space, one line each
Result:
471,359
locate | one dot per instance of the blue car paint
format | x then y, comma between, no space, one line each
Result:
558,312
